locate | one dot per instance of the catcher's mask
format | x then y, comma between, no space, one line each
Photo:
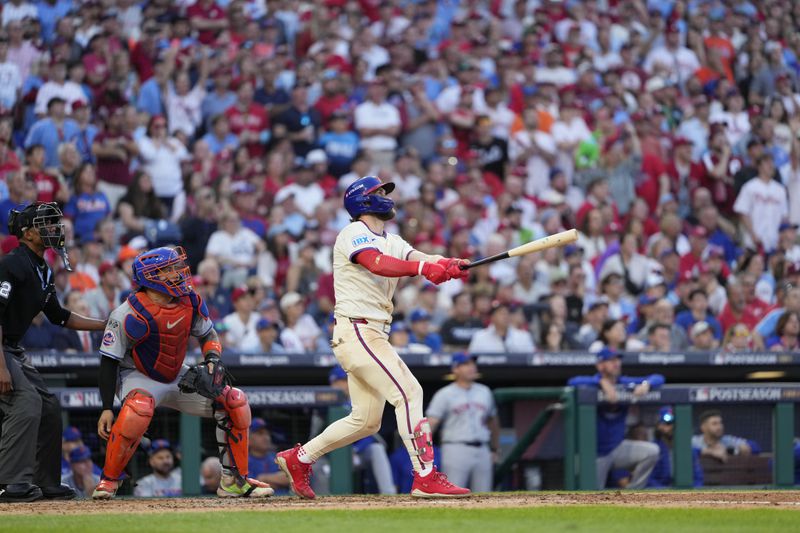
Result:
163,270
44,217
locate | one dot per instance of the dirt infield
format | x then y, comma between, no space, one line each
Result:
711,499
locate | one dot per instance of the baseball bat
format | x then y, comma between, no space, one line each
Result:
551,241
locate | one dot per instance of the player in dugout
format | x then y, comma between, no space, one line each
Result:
614,451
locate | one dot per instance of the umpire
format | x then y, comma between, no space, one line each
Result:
30,443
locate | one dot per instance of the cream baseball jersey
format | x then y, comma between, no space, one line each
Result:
360,293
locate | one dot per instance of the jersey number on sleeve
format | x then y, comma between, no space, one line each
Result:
5,289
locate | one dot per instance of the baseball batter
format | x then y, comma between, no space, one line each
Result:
143,352
466,412
367,263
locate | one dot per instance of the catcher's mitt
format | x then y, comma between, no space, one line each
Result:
207,379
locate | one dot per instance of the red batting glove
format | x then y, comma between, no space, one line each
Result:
435,273
451,265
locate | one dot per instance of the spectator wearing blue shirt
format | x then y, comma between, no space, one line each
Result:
220,99
262,458
421,333
220,136
664,472
21,192
340,144
50,12
52,131
614,451
88,206
787,333
150,94
72,438
720,242
86,131
698,311
789,300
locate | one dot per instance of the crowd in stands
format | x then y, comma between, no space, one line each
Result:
665,131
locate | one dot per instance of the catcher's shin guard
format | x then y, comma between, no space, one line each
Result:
134,417
236,426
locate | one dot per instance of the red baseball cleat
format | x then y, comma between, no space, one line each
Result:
299,473
436,485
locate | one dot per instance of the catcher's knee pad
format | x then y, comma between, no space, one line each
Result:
134,418
234,402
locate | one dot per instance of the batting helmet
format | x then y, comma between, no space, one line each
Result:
360,197
163,270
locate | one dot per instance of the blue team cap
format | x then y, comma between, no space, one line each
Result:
419,314
264,324
257,423
398,326
71,434
158,445
665,415
460,358
337,373
646,300
607,353
80,453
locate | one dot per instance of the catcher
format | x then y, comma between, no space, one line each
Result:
143,349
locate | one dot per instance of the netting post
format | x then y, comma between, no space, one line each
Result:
587,446
783,442
190,454
341,460
682,447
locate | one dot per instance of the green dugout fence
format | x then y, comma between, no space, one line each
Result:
578,407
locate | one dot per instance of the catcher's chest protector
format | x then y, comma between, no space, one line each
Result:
160,335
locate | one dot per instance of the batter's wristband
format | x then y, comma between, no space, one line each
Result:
212,346
419,269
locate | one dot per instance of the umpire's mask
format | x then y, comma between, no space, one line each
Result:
45,217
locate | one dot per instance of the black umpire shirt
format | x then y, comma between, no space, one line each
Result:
27,287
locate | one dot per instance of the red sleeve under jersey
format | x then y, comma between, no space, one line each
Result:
386,265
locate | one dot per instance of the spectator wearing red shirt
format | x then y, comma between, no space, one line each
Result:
721,166
685,174
597,197
208,19
333,96
8,158
97,62
248,119
48,187
698,241
114,149
145,52
739,310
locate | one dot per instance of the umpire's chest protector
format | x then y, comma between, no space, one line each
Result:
160,335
